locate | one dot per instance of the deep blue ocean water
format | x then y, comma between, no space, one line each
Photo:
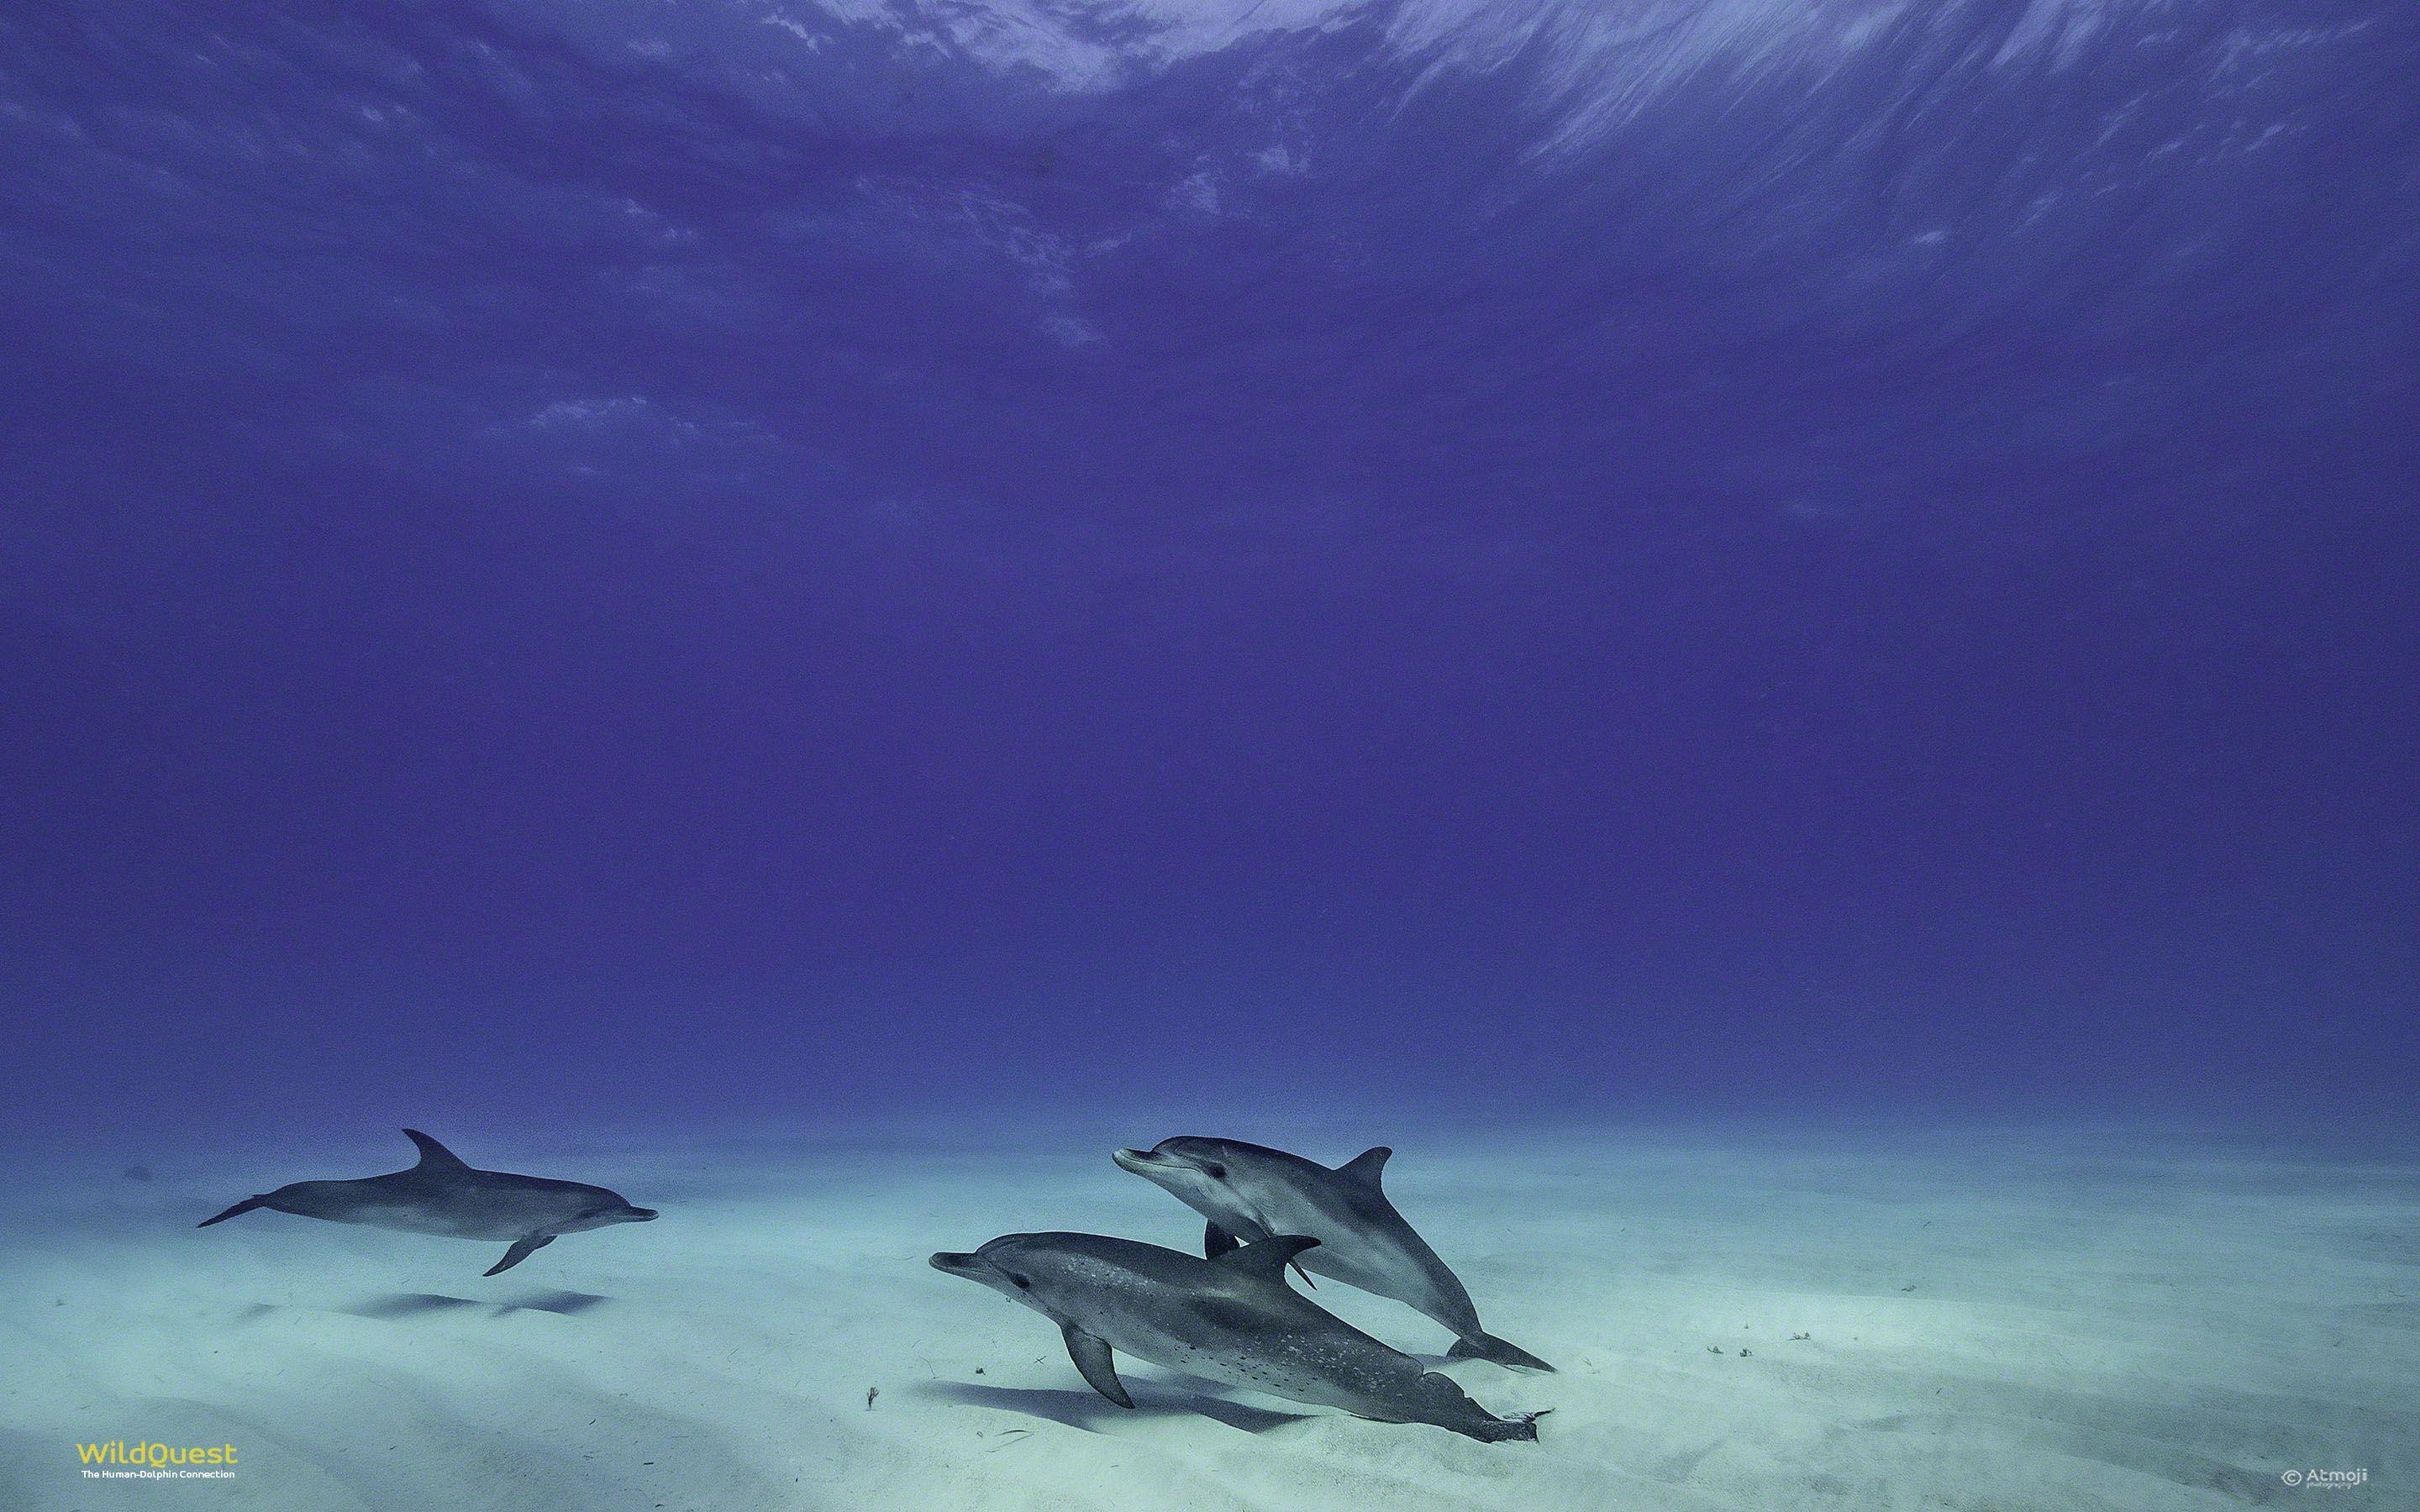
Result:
628,564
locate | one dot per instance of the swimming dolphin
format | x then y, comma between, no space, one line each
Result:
442,1196
1248,1192
1232,1320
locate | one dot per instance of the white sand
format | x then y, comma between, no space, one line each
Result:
2014,1321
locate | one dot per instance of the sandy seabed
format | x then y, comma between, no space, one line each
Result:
2016,1319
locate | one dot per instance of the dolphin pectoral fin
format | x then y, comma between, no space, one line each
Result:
1269,1259
1091,1357
523,1249
243,1206
1367,1166
1488,1347
1215,1240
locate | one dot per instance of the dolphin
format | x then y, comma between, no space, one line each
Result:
1249,1192
1231,1320
442,1195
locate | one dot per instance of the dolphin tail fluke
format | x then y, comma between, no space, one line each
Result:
1495,1350
1519,1429
238,1211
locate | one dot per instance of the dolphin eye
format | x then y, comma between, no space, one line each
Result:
1022,1283
1214,1171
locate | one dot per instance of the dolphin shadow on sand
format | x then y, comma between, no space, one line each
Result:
414,1304
1085,1411
387,1307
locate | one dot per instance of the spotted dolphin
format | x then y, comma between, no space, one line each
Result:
1249,1192
442,1195
1231,1320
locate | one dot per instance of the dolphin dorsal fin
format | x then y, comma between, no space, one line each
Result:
434,1156
1366,1166
1267,1258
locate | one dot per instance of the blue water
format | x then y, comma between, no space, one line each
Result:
644,569
1670,553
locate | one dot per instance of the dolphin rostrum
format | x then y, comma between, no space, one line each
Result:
442,1196
1248,1192
1232,1320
